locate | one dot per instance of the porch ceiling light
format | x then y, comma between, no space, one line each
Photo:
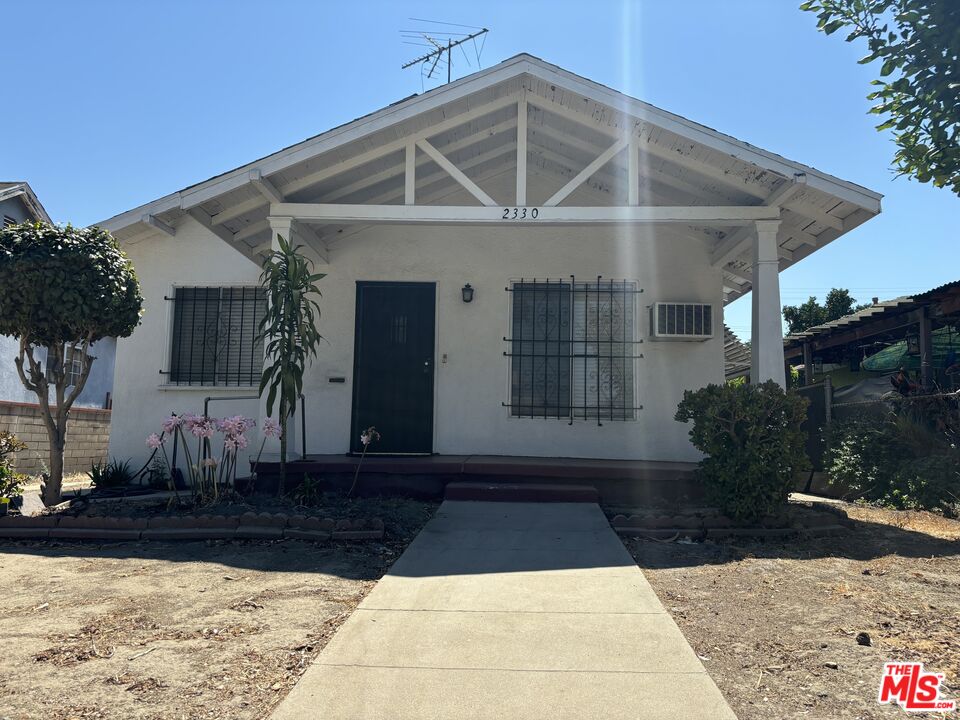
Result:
467,293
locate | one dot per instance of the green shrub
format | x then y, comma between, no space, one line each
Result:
753,442
928,483
11,482
309,493
903,459
863,454
111,475
9,444
158,475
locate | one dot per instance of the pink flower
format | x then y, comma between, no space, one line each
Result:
236,425
171,424
369,435
271,428
201,426
208,462
154,441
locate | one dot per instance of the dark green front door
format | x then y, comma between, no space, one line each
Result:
393,366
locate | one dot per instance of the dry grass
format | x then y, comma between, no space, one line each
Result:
776,623
162,631
71,481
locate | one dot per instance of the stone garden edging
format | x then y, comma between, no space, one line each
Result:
249,526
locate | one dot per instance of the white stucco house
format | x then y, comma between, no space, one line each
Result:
522,262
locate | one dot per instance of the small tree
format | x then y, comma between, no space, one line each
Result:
917,42
289,330
60,287
837,304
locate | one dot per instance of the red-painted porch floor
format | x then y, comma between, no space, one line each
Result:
616,480
491,465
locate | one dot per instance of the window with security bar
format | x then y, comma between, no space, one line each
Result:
215,336
573,349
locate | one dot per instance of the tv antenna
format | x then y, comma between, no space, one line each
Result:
440,40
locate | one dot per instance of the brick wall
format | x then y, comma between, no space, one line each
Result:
88,437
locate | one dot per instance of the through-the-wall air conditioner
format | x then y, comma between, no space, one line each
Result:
681,321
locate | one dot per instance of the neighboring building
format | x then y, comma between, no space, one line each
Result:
521,262
18,406
736,356
920,333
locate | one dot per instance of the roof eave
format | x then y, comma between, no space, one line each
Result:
24,191
199,193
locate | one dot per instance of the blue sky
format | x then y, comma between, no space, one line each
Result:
112,104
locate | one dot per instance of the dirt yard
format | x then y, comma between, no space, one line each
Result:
176,630
777,623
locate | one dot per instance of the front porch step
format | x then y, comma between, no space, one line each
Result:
521,492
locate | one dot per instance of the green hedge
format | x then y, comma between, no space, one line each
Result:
753,442
903,459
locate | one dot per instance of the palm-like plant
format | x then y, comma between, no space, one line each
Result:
289,331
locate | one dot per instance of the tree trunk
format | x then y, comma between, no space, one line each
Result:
54,421
52,484
283,446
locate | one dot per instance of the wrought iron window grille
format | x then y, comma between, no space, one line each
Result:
216,336
573,349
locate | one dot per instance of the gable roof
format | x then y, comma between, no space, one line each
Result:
473,121
22,189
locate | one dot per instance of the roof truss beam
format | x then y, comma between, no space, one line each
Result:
456,173
221,232
265,187
242,208
546,215
558,165
522,110
158,224
808,209
435,186
737,243
593,167
432,194
716,174
396,145
643,159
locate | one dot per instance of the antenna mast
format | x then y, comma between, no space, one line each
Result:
439,47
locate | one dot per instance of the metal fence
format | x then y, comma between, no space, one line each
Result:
941,409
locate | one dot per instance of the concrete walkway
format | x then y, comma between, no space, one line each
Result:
509,610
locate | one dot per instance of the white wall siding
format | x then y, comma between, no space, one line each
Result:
140,401
474,382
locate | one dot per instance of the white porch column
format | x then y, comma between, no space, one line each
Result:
286,227
767,337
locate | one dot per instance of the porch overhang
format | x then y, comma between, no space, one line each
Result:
725,216
569,142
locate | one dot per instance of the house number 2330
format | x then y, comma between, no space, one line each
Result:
520,213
